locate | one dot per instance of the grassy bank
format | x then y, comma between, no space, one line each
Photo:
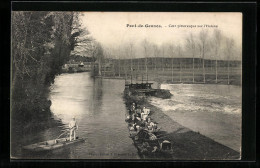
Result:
187,144
183,76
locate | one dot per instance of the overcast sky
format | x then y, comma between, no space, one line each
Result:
110,28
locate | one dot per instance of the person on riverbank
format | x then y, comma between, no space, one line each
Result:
132,108
150,125
144,114
138,111
73,126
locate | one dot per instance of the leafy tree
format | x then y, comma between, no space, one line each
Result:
41,43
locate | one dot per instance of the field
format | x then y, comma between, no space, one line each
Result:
176,73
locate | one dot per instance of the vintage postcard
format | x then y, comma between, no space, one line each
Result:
126,85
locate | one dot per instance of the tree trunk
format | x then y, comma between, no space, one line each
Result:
131,70
193,68
155,64
138,64
211,64
216,71
152,64
172,69
104,70
162,65
125,69
93,69
131,65
180,72
114,71
99,67
203,65
146,70
119,66
228,72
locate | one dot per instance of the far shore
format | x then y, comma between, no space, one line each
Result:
220,82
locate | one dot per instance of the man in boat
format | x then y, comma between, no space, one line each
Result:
73,126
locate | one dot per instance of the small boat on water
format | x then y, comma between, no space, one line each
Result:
52,144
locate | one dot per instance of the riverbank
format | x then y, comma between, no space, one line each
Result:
162,80
187,144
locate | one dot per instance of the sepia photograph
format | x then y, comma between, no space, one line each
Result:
126,85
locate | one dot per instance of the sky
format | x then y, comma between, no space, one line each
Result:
111,30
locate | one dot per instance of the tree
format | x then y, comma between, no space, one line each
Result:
156,53
146,46
100,57
41,44
93,50
203,40
131,45
172,49
81,40
217,42
113,56
163,54
179,50
107,59
129,52
118,53
191,46
229,51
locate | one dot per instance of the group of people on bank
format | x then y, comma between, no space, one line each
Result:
141,119
144,131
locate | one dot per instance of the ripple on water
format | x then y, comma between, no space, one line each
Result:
213,110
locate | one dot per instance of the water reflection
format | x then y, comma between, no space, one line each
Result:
100,112
97,95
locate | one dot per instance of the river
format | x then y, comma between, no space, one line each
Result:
97,104
100,112
212,110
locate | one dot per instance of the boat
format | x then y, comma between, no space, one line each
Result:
156,149
144,135
52,144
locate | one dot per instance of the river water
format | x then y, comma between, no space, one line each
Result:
100,112
212,110
97,104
